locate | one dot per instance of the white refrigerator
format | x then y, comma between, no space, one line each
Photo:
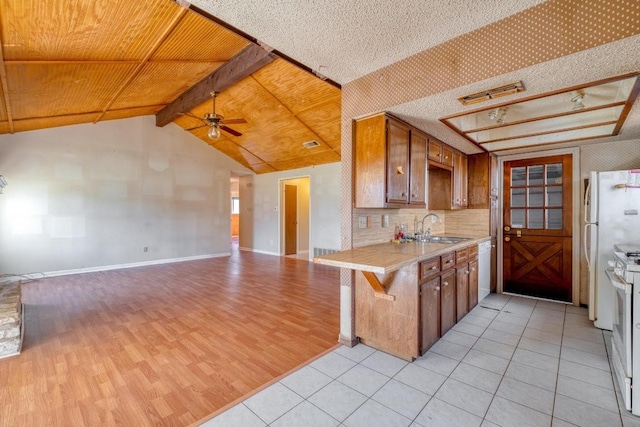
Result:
611,212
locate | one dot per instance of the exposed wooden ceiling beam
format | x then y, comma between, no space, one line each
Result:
172,25
5,89
242,65
205,14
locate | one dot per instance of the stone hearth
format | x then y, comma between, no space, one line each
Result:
10,319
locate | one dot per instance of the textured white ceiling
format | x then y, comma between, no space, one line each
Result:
348,39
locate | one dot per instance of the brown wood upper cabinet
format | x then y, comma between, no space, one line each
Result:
483,186
390,163
459,196
440,153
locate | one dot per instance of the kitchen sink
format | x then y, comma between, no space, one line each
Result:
447,239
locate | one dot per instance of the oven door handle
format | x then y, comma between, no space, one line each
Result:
618,283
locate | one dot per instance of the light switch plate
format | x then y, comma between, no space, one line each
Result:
385,220
362,222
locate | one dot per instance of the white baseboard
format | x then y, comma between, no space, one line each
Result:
258,251
121,266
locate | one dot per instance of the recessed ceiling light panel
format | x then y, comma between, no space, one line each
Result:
592,110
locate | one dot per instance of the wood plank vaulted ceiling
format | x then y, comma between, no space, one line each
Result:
68,62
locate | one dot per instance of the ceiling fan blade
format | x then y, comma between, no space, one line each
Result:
233,121
231,131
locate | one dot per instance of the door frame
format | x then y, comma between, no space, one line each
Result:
281,231
577,205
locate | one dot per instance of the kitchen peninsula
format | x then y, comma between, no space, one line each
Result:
407,295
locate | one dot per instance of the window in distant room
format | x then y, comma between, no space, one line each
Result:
235,205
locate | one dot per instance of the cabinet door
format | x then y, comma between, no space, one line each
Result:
429,313
418,165
398,170
370,167
447,155
473,284
460,186
447,301
435,150
462,292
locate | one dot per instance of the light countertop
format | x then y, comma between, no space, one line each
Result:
384,258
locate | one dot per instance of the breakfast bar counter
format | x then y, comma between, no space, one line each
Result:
407,295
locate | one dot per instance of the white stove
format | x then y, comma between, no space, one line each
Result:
625,280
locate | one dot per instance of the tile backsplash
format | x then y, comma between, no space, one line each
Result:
465,222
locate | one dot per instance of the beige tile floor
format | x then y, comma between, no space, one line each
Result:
510,362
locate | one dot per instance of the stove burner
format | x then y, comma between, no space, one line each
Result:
637,261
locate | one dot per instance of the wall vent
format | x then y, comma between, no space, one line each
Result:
492,93
311,144
323,251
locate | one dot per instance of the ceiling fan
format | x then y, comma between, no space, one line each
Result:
216,122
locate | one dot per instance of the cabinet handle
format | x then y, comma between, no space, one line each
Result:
404,194
414,196
433,268
445,283
437,288
449,262
473,269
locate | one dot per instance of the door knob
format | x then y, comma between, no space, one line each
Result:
507,239
507,228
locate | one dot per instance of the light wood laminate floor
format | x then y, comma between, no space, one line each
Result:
164,345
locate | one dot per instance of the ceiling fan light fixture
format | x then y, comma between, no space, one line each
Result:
214,132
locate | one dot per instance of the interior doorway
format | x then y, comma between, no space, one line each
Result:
294,218
537,233
235,212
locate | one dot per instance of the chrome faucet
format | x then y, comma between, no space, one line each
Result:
421,235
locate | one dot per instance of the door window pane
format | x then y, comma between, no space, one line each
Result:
535,196
535,218
554,173
517,218
554,196
518,176
518,197
536,175
554,219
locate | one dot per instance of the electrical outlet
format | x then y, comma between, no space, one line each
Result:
362,222
385,220
145,249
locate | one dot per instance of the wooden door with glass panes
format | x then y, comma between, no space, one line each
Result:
537,227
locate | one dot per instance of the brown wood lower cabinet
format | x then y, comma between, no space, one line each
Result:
462,291
473,284
430,309
447,301
422,302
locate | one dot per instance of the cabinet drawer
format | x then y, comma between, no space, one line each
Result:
473,252
430,267
448,260
462,255
447,156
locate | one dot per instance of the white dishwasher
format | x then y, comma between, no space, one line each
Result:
484,269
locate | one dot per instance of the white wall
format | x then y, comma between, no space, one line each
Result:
259,221
89,195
